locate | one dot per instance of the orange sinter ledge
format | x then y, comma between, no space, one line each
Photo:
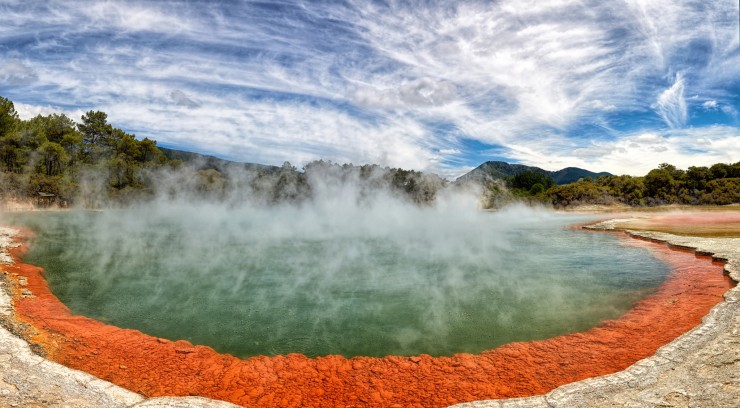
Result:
157,367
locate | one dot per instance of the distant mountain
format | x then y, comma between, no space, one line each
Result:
204,162
490,170
493,170
572,174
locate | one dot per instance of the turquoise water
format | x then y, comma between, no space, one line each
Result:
315,281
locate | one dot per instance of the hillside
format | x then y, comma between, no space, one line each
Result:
572,174
493,170
205,162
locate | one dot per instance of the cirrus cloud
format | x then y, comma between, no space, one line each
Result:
431,86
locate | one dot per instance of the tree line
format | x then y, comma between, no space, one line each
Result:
94,164
718,184
54,156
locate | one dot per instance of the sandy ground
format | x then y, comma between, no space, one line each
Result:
697,221
711,224
700,368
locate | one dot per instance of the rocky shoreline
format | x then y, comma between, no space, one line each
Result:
28,380
697,368
701,368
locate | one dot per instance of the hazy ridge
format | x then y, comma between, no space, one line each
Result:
500,170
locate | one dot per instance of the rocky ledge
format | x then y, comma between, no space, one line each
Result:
698,369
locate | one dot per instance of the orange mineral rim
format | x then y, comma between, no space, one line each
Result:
157,367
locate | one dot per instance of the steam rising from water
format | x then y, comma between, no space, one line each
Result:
375,276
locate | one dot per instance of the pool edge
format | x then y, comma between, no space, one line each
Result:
695,369
638,385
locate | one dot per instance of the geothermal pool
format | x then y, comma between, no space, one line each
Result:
319,281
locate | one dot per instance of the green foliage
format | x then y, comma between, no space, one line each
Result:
8,116
53,155
584,191
94,162
538,188
661,186
95,128
625,189
722,192
717,185
721,170
53,158
526,180
697,177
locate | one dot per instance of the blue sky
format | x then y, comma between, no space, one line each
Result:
618,86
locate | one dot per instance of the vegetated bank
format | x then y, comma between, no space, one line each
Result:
53,161
718,184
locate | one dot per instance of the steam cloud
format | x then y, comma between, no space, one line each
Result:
351,270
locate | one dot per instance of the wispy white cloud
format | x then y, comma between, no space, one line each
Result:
730,110
671,104
247,129
182,99
423,92
402,83
26,111
637,153
516,67
132,17
710,105
15,72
